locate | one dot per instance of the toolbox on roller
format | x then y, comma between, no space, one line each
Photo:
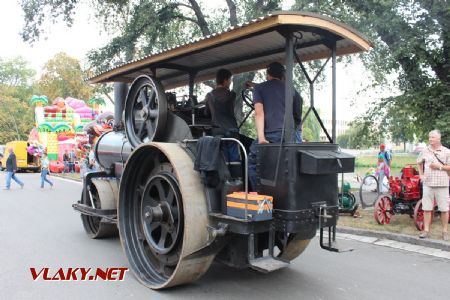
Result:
257,207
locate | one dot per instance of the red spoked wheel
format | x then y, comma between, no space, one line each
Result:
383,210
418,216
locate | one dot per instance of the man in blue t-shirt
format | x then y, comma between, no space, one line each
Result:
269,101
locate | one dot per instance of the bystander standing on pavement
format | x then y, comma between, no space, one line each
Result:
66,161
11,168
72,159
44,171
434,166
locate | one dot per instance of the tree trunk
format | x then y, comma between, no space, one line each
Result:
233,15
200,17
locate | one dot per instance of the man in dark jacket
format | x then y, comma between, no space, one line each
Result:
11,168
220,104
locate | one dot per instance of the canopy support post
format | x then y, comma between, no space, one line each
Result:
191,95
288,88
333,116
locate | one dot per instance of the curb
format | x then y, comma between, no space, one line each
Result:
436,244
67,178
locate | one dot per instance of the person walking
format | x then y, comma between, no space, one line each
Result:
44,171
434,163
11,168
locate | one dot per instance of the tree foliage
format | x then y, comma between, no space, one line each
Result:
411,39
16,116
63,77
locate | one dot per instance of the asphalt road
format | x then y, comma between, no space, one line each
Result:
38,228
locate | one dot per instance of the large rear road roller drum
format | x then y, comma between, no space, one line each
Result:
163,217
290,245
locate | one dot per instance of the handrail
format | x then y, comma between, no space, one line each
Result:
245,164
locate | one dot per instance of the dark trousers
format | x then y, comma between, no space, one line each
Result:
272,137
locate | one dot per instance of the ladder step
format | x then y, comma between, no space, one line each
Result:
267,264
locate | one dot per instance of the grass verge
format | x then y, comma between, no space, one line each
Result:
397,161
403,224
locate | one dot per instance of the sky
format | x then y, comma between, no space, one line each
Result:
75,41
84,35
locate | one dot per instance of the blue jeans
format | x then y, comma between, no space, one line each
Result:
272,137
230,149
298,136
12,175
44,178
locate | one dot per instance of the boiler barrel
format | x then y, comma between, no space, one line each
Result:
112,147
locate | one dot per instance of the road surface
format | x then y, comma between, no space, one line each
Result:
38,228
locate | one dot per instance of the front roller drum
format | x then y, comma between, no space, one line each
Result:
95,227
163,216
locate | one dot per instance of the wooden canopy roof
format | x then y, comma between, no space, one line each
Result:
247,47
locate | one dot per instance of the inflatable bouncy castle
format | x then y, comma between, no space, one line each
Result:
60,126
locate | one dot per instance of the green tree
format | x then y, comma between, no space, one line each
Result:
15,72
412,39
16,88
62,77
358,136
311,128
144,27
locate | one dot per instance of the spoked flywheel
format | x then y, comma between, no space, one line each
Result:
163,216
145,111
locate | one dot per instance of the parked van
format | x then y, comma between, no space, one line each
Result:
24,160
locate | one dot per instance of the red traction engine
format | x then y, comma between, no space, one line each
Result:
405,198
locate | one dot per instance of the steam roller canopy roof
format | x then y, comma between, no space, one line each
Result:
261,40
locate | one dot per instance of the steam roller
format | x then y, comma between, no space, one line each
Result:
174,220
164,183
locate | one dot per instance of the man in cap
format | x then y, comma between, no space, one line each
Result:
269,101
